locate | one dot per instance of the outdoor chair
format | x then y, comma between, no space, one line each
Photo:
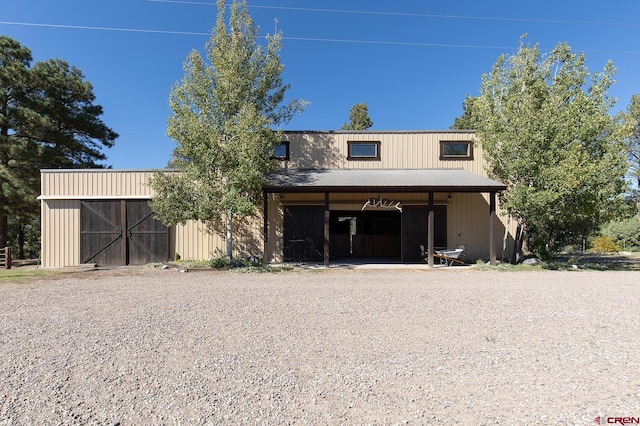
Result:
447,256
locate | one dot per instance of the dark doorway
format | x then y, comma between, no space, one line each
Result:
121,232
303,233
365,234
415,221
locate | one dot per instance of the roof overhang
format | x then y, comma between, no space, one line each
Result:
357,180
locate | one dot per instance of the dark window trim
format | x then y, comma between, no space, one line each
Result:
467,157
358,158
286,156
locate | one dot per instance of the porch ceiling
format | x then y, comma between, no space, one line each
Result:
349,180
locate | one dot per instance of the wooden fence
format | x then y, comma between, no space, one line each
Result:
5,258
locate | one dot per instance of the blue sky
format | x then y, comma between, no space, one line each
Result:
410,61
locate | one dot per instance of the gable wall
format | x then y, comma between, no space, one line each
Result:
398,150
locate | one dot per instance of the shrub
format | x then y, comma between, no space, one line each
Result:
624,233
604,244
219,262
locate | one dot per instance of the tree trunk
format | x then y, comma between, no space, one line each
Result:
4,230
229,226
21,241
638,191
519,241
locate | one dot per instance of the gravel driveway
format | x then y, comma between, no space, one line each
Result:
150,346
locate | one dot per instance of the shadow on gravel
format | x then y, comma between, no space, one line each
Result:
598,261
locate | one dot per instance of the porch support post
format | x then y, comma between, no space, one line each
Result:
430,231
492,228
265,226
326,229
124,233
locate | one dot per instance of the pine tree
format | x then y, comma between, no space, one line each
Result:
358,118
48,119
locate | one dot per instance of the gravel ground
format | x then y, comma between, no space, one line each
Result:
149,346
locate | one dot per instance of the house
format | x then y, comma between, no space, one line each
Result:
337,195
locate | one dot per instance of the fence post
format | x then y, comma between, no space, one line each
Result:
6,257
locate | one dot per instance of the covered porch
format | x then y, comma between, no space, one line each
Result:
345,215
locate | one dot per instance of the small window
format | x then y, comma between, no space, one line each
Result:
456,150
281,152
364,151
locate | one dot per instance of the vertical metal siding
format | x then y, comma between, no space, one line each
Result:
60,230
402,150
95,183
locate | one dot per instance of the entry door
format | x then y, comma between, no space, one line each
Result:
121,232
303,233
415,221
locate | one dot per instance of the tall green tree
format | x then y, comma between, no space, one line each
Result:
358,118
225,113
467,121
545,125
48,119
632,143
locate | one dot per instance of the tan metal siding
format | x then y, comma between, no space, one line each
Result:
402,150
85,184
195,241
60,230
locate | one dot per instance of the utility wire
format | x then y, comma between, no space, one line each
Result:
415,15
87,27
312,39
328,40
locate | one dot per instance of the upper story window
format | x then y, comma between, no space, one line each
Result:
281,152
363,150
456,150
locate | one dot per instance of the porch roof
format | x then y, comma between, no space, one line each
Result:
359,180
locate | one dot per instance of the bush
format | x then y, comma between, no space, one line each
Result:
604,244
219,262
624,233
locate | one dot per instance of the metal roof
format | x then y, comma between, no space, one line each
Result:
358,180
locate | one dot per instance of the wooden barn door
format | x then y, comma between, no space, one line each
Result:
121,232
101,232
148,239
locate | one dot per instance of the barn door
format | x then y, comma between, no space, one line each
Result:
121,232
101,233
148,239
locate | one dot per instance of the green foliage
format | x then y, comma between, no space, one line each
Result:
604,244
224,112
48,119
26,232
219,263
632,143
358,118
624,233
545,127
466,121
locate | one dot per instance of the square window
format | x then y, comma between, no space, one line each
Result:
456,150
367,151
281,152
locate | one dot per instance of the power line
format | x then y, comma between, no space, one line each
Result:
415,15
87,27
328,40
311,39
